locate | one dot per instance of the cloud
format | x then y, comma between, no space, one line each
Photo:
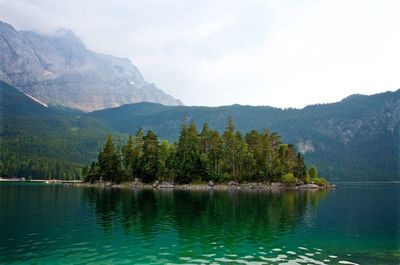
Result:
280,53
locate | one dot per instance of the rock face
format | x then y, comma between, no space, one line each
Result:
58,69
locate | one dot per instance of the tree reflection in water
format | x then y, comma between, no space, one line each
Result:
201,216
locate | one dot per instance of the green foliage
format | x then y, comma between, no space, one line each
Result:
109,162
149,160
320,182
91,174
313,172
166,156
300,170
189,164
129,156
35,166
289,179
199,157
307,178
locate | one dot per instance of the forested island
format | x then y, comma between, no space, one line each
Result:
205,156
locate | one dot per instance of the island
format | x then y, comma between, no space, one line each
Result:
203,159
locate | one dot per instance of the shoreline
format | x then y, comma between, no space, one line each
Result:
165,185
205,186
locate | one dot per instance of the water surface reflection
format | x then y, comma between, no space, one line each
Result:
229,216
54,224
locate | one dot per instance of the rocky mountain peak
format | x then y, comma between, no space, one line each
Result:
59,69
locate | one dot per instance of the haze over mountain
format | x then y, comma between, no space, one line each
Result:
58,69
356,139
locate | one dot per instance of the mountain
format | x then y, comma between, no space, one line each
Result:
58,69
40,141
356,139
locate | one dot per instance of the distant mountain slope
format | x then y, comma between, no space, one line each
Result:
356,139
39,141
58,69
13,101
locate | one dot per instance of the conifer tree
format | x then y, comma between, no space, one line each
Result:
109,162
229,148
149,159
215,153
301,170
166,163
137,165
129,158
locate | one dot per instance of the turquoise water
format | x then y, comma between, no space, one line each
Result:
55,224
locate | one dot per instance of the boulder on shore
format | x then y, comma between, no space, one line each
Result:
309,186
108,184
277,185
165,184
155,184
233,183
135,183
255,185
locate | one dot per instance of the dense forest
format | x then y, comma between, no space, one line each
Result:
34,166
202,156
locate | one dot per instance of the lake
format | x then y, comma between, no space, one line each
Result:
56,224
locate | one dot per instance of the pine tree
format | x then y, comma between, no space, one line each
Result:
137,165
129,158
205,139
165,157
229,149
245,162
301,170
255,145
206,166
149,160
182,155
215,154
109,162
189,160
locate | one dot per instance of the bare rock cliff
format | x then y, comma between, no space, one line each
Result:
58,69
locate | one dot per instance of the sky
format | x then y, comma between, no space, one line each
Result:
283,53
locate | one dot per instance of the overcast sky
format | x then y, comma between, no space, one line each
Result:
280,53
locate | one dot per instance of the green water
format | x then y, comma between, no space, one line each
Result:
55,224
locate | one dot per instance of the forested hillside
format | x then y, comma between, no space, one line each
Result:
43,142
356,139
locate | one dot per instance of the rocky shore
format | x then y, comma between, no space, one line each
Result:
231,185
